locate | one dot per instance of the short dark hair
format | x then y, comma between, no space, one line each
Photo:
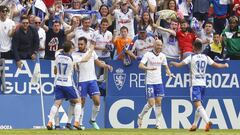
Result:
104,20
56,21
24,17
215,33
85,18
174,20
67,46
84,39
4,8
183,21
197,44
123,27
209,23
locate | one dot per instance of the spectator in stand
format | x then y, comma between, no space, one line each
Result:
170,12
143,44
172,5
236,8
76,5
185,7
146,21
231,39
42,37
55,37
31,19
121,41
104,13
25,42
220,15
124,16
215,48
83,31
75,19
185,38
200,10
170,44
102,39
206,35
149,6
7,29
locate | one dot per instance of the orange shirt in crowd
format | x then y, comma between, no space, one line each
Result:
120,43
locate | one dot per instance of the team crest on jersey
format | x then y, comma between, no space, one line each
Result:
119,78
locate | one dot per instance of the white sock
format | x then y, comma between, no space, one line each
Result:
203,114
158,113
145,110
95,111
81,117
196,117
53,112
56,118
70,112
77,111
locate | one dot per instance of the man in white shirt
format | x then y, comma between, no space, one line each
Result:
7,29
143,44
198,63
83,31
124,16
170,43
102,39
42,36
151,63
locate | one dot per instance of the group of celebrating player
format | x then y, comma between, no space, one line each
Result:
84,61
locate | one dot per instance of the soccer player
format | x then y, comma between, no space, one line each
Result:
64,87
151,63
87,83
198,63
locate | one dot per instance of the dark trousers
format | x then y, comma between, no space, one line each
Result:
7,55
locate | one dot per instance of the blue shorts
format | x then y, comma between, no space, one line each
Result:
154,90
197,93
65,92
88,87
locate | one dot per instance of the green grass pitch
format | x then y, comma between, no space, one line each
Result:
119,132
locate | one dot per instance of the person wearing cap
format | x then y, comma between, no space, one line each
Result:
7,29
125,15
231,39
143,44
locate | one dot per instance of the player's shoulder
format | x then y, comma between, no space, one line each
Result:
161,54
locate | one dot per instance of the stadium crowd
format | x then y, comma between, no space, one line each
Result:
119,29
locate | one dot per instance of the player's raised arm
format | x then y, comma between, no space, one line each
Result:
177,64
88,55
219,65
